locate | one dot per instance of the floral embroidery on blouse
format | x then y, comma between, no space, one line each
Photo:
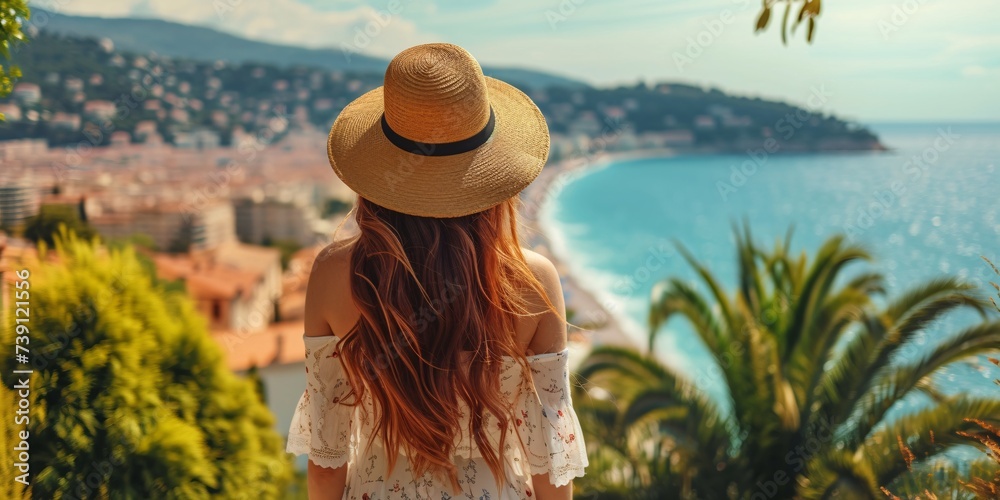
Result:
544,437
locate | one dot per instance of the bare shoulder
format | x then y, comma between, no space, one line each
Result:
550,331
328,295
334,257
543,268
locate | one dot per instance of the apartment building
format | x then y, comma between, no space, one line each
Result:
172,227
18,202
260,221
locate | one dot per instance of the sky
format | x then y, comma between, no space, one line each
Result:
878,60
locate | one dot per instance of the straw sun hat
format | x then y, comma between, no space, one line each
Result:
439,139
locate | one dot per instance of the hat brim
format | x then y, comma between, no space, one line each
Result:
440,186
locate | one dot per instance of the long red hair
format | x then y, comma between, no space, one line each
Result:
438,301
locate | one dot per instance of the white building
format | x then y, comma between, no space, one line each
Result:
27,93
18,201
213,226
260,221
23,149
172,227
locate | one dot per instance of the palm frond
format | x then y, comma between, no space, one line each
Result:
925,434
871,351
623,361
897,381
829,261
914,297
836,474
993,283
674,296
872,283
838,314
694,423
943,480
718,294
838,386
661,428
809,361
751,286
922,314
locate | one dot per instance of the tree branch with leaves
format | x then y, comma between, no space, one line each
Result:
808,11
12,14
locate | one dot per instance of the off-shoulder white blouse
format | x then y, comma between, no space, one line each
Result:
545,439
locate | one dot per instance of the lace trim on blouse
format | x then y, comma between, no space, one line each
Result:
330,432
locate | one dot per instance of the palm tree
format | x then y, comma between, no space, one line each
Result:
987,486
812,360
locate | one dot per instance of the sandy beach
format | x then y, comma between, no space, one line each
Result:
591,322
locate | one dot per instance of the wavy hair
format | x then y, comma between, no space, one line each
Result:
438,301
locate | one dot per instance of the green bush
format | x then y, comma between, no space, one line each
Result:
130,396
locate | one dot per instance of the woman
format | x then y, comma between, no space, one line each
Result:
435,345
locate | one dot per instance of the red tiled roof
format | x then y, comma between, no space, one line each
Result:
206,278
16,257
281,344
249,257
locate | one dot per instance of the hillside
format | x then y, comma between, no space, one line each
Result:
79,90
204,44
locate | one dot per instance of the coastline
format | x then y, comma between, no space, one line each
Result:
591,323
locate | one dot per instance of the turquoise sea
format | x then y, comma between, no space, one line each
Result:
928,207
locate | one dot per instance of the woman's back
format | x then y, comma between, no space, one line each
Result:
544,439
330,310
436,343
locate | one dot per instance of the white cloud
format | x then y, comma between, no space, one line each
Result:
290,22
367,29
